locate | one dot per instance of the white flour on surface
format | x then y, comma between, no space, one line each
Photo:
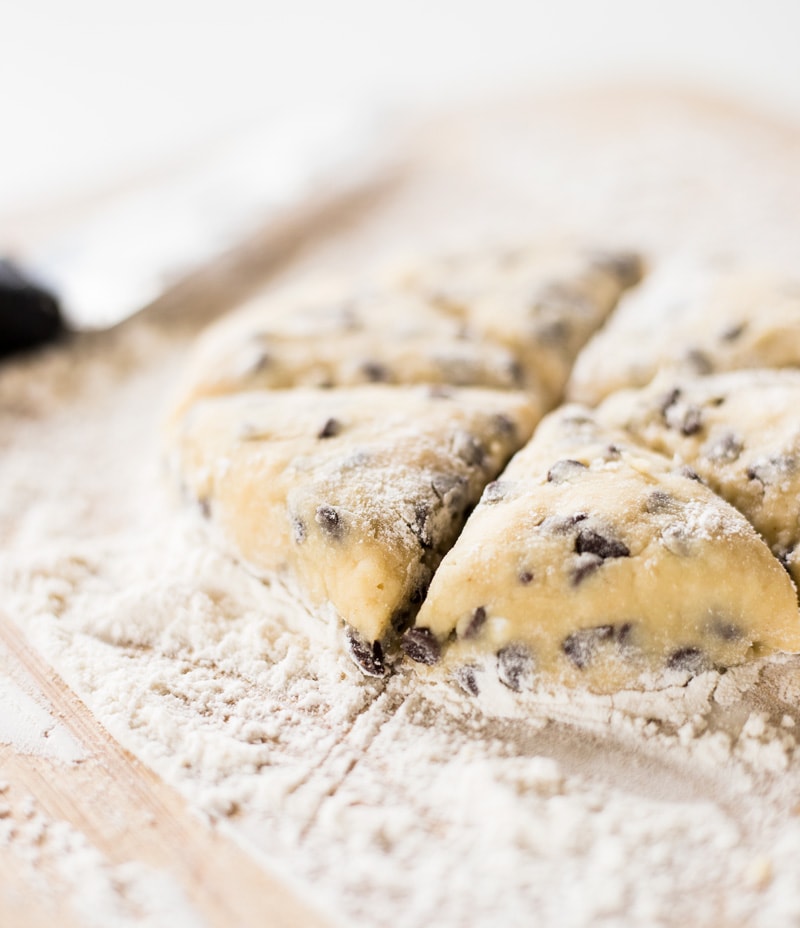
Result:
404,801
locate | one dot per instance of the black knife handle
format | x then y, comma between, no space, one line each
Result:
29,314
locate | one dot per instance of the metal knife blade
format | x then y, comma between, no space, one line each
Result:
126,252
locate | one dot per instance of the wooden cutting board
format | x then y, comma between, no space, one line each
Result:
567,164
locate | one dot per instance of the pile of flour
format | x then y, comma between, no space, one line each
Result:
404,800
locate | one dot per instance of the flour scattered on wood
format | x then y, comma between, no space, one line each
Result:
400,796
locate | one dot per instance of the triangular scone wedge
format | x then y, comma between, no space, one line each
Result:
740,431
694,320
545,302
595,562
358,492
329,336
507,319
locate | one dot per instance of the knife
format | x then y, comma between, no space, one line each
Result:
131,250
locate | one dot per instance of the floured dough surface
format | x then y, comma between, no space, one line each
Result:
544,302
595,561
740,431
508,318
358,492
697,319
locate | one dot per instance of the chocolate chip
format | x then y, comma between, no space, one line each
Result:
515,667
668,401
626,266
368,657
469,449
676,539
727,631
724,449
689,473
588,541
584,567
205,507
692,660
732,332
565,470
689,420
449,489
298,530
581,645
331,428
421,645
467,680
504,425
516,373
494,492
612,452
438,391
554,333
659,501
699,361
329,521
476,623
525,577
784,556
773,469
561,525
375,372
420,525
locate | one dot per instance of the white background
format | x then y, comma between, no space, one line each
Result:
94,90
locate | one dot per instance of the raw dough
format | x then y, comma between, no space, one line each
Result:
358,491
543,302
593,560
740,431
697,320
511,319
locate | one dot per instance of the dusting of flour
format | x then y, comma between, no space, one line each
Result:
400,800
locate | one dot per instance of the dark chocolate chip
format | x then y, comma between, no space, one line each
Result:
581,645
329,521
727,631
368,657
555,332
732,332
692,421
525,577
588,541
515,667
689,473
331,428
724,449
449,489
375,372
420,525
476,623
584,567
204,504
565,470
494,492
504,425
692,660
659,501
773,469
784,556
612,452
561,525
516,373
700,361
626,266
469,449
421,645
669,400
298,530
467,680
